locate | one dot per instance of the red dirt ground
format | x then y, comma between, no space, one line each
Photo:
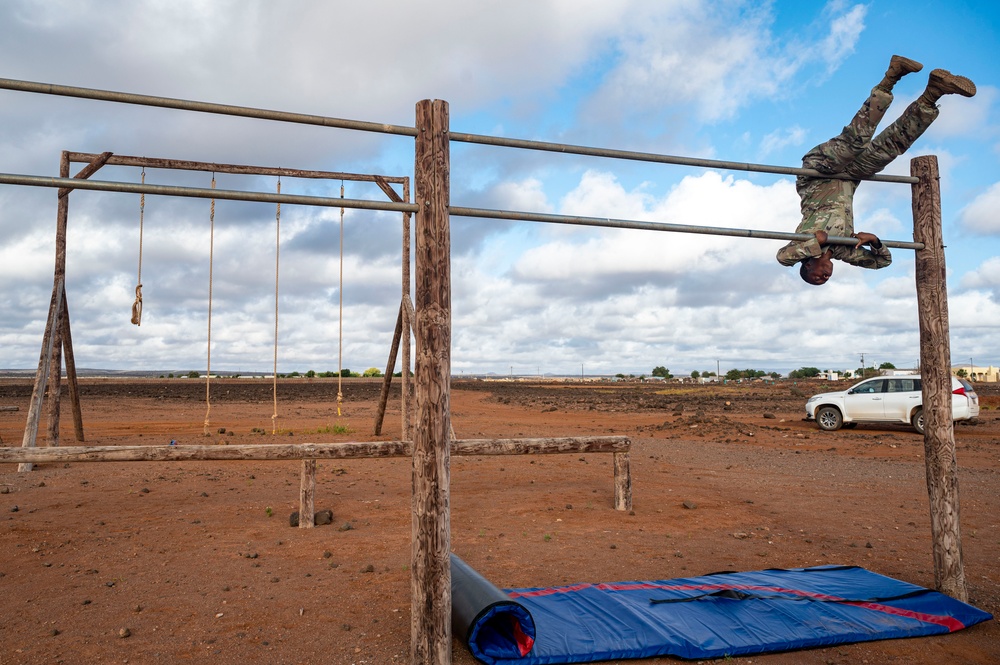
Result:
197,561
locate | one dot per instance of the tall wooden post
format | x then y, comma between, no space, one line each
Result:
405,424
430,581
55,364
935,368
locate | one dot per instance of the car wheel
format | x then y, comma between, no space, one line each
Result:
828,418
918,420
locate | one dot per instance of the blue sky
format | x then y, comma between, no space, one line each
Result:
741,81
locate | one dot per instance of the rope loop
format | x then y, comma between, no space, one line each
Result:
137,305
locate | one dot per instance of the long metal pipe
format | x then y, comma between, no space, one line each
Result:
400,130
486,213
665,159
457,211
201,193
204,107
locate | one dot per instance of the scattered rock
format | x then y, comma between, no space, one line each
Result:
323,517
346,526
124,632
770,416
368,569
690,505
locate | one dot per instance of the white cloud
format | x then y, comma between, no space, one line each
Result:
982,215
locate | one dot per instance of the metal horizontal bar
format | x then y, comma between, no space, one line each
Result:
204,107
324,121
663,159
202,193
485,213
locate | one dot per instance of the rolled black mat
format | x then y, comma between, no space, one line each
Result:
492,625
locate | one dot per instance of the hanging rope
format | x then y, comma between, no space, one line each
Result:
137,305
277,249
211,269
340,340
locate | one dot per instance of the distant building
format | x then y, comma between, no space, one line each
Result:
897,372
985,373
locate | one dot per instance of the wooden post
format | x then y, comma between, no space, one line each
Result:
55,363
623,482
430,574
74,386
307,494
405,407
390,365
41,376
935,370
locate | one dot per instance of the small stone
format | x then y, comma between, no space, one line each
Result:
368,569
293,519
690,505
327,554
346,526
109,583
145,490
323,517
124,632
769,416
569,506
222,430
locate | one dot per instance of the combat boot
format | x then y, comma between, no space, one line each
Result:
942,82
898,68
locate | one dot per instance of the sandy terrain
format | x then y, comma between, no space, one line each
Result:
196,561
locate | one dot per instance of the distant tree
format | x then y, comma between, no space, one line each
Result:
775,375
311,374
961,373
733,375
707,373
804,373
193,374
619,375
344,372
887,366
695,374
372,371
661,372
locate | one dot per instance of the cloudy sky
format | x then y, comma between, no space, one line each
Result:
742,81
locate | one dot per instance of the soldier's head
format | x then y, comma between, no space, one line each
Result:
816,270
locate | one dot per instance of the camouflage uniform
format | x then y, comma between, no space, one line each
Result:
827,205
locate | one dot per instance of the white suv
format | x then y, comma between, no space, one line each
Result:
886,399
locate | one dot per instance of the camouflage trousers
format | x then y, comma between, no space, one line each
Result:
855,152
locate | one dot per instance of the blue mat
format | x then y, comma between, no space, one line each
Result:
711,616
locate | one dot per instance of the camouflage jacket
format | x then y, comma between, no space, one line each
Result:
827,205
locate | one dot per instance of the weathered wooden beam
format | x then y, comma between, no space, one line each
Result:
238,169
298,451
41,375
935,370
71,377
390,365
430,572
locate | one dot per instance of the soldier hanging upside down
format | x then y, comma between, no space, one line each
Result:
827,204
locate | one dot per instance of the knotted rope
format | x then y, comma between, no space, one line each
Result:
137,305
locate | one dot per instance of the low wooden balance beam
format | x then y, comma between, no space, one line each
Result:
618,446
